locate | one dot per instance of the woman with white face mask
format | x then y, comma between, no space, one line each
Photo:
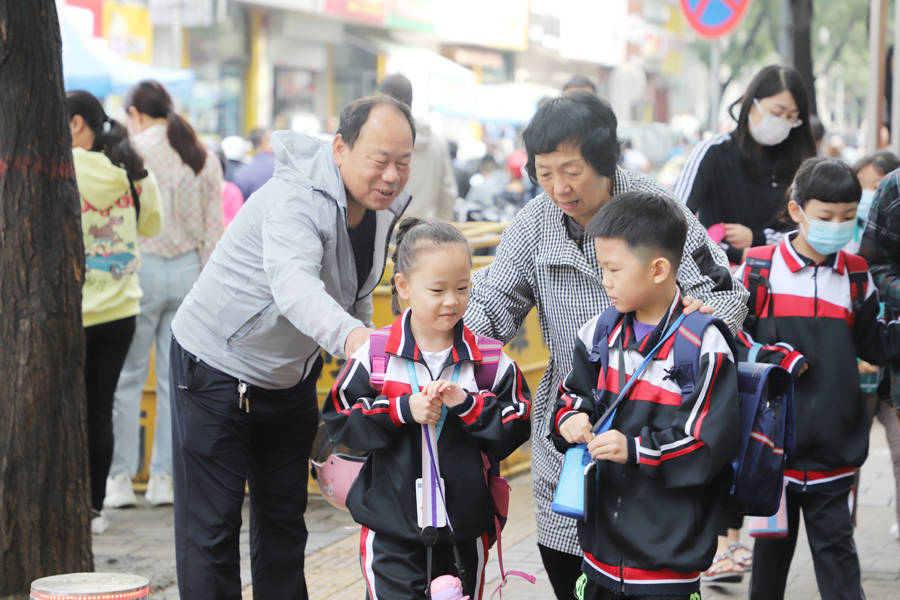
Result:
736,183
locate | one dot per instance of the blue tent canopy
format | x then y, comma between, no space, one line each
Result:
95,68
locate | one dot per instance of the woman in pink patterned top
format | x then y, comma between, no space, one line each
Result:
190,186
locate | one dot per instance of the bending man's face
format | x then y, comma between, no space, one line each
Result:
376,168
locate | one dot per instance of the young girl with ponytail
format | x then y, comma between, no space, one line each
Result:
190,185
425,407
119,201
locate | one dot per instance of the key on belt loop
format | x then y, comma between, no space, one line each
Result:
243,398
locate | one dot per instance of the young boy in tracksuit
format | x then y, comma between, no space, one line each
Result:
817,313
650,529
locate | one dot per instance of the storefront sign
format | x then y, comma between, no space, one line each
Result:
501,25
190,13
410,14
88,10
370,12
129,31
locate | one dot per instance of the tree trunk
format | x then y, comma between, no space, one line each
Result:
801,41
44,498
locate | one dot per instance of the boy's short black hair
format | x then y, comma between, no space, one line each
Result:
643,220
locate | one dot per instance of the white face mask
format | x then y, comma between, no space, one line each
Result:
826,237
771,130
865,205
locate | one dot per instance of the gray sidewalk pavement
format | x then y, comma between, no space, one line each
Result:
139,540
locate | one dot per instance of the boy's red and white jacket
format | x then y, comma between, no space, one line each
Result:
650,530
810,319
494,421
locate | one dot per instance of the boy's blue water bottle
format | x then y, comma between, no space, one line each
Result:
569,497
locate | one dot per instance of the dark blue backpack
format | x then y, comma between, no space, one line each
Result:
766,394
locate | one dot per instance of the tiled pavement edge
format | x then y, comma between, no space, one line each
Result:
140,541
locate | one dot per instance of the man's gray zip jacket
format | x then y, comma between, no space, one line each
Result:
281,283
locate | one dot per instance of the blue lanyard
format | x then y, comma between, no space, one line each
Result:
414,384
606,420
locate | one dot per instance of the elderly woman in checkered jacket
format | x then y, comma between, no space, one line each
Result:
544,261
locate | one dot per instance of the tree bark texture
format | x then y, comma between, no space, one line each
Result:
801,40
44,498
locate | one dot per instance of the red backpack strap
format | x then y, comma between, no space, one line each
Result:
756,278
378,358
486,370
858,274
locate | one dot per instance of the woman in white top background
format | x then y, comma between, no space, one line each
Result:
190,189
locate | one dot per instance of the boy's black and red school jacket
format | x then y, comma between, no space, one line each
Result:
495,421
811,319
651,530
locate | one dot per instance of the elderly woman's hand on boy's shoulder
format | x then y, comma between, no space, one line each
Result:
695,304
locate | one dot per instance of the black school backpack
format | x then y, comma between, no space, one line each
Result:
765,393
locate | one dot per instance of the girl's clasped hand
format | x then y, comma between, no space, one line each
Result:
425,406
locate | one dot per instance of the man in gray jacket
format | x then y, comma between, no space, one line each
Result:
294,273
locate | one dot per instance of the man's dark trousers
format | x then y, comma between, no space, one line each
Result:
216,447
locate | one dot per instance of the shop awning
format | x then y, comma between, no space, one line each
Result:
89,65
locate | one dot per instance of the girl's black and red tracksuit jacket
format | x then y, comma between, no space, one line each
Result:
494,421
810,318
651,530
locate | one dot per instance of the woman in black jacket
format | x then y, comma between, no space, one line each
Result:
736,181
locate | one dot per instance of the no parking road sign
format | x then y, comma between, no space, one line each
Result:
714,18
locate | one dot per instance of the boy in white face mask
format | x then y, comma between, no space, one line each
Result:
823,305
